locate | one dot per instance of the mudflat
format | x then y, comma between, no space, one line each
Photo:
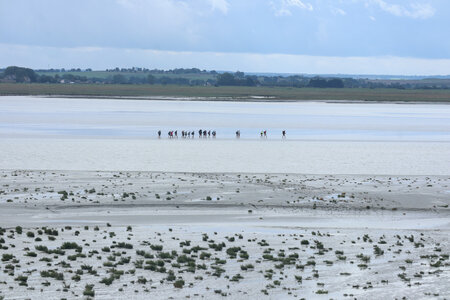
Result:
209,235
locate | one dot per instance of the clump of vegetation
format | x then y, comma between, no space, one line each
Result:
403,277
179,283
71,245
377,250
205,255
232,252
19,229
48,251
236,277
246,267
31,254
7,257
124,245
108,280
22,280
364,258
52,232
437,264
89,290
217,271
76,277
156,247
362,266
52,274
170,276
64,195
217,247
142,280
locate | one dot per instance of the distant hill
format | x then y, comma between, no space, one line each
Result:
197,77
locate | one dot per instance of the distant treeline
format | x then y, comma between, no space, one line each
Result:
197,77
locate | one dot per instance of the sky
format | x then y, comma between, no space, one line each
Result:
275,36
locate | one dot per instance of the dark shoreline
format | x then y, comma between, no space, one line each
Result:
224,93
237,99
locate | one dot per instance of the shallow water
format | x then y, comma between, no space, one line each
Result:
323,138
54,117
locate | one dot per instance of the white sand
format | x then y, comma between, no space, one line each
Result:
304,157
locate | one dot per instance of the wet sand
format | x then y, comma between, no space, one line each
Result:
366,236
215,156
353,204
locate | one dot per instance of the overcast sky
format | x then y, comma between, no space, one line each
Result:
290,36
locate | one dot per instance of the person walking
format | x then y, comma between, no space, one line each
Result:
284,134
159,134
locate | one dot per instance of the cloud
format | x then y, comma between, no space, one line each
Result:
284,7
309,27
298,3
414,10
192,7
220,5
102,58
338,11
157,22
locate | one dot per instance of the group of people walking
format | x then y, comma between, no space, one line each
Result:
263,134
189,134
209,133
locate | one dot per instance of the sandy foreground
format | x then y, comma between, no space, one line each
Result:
160,235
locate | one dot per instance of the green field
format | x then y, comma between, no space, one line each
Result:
105,74
279,93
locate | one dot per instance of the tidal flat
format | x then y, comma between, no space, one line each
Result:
109,235
354,203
